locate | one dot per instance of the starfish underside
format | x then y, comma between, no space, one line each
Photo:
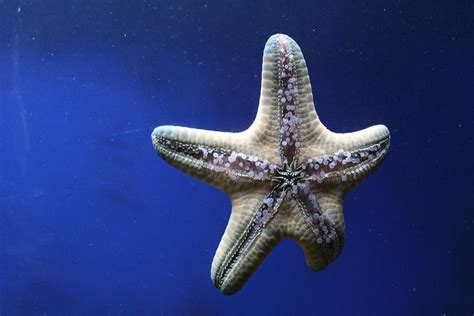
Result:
286,174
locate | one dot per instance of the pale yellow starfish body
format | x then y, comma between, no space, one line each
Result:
286,175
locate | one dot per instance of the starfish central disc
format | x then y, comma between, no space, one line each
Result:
288,176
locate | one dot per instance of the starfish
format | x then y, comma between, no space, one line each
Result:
286,175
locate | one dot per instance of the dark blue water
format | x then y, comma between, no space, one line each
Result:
92,222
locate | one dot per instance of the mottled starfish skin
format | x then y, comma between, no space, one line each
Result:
277,191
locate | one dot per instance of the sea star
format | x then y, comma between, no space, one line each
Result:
286,175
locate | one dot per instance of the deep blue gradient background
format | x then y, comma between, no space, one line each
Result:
92,222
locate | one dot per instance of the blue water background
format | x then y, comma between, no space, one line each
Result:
92,222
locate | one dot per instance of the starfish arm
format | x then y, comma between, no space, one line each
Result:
347,158
321,232
216,158
286,114
246,240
